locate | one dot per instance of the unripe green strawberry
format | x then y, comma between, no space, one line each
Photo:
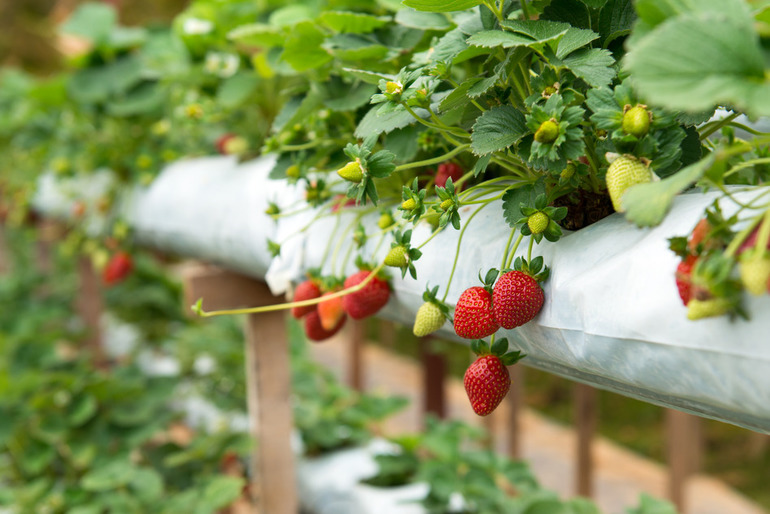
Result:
755,274
293,171
397,257
351,172
429,318
385,220
446,204
547,132
235,146
392,87
622,174
409,204
538,222
486,382
636,121
697,309
568,171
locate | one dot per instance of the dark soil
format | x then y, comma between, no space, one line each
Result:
584,208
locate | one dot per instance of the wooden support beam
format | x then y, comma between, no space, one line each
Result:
268,379
515,401
90,306
585,420
684,453
434,371
356,332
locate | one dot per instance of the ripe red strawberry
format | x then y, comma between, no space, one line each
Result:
517,298
339,202
446,170
118,268
315,331
330,312
486,382
683,278
474,316
222,141
367,301
306,290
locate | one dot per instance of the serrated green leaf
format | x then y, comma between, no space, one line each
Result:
534,34
303,49
81,410
352,22
647,204
497,129
381,164
404,142
441,5
593,65
514,198
615,20
375,123
257,34
574,39
697,61
346,97
481,165
351,47
459,96
422,20
292,14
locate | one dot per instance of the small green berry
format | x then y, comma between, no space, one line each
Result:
446,204
293,171
397,257
385,221
538,222
351,172
636,121
548,132
409,204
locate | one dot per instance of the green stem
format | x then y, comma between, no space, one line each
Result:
457,251
507,249
529,250
718,125
525,9
329,244
746,164
341,241
512,253
282,306
434,234
763,236
434,160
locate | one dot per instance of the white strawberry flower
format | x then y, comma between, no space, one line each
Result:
196,26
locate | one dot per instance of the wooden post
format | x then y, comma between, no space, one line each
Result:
684,453
356,337
5,254
90,306
515,400
585,414
268,380
434,370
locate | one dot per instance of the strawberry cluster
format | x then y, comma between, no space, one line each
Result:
326,317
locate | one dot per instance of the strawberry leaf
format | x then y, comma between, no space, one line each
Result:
441,5
497,129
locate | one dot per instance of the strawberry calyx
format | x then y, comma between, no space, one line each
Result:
488,281
431,296
541,220
498,348
402,255
535,268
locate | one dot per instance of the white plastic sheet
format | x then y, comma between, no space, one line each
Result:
612,316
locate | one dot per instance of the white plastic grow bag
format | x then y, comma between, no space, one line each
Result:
612,316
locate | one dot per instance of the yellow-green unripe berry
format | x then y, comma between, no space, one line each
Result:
60,165
698,309
385,220
548,132
393,87
446,204
429,318
538,222
351,172
397,257
636,121
144,161
409,204
623,173
293,171
236,145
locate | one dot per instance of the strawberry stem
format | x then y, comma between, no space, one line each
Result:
507,248
198,309
512,253
457,251
434,160
529,250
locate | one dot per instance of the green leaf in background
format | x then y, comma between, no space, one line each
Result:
574,39
573,12
145,99
346,97
36,456
237,89
696,61
650,505
375,122
496,129
655,12
403,142
647,204
594,4
350,47
303,47
291,14
116,473
93,85
351,22
82,409
257,34
441,5
370,77
513,198
422,20
147,485
93,21
123,38
616,19
220,492
164,55
593,65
